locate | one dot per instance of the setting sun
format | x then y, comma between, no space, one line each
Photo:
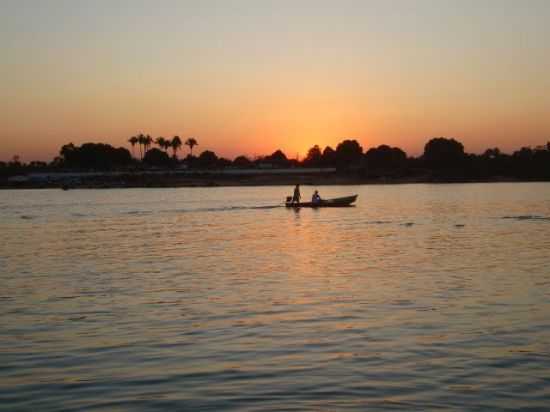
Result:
253,78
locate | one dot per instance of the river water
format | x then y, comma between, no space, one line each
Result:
421,297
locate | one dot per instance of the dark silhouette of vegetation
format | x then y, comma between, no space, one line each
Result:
328,159
385,160
444,154
157,158
276,159
141,139
223,163
207,160
443,159
314,157
147,142
242,162
349,154
176,145
133,141
96,156
12,167
191,142
163,143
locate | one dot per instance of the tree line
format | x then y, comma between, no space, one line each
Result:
443,158
144,143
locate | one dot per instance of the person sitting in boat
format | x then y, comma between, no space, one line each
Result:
297,196
315,199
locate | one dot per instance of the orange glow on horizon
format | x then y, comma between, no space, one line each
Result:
254,78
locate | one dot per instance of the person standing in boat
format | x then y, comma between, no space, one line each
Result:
297,196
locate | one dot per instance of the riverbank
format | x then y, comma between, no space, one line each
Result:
157,179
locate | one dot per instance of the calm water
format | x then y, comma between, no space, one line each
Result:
421,297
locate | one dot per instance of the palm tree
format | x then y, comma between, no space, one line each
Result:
147,143
191,142
133,141
176,144
161,142
141,140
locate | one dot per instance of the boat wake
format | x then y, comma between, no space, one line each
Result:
528,217
138,212
224,209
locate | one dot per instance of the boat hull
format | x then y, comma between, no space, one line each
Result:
337,202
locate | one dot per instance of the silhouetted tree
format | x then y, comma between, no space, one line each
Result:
141,141
385,158
8,169
15,161
159,141
57,162
163,143
11,168
527,163
98,156
313,158
147,143
277,158
492,153
541,164
442,153
191,142
328,159
442,158
176,144
156,157
133,141
207,159
167,144
491,163
67,153
242,162
348,153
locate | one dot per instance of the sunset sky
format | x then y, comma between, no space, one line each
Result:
252,76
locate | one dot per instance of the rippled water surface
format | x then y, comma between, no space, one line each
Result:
421,297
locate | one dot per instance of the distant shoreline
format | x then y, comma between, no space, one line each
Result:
167,179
